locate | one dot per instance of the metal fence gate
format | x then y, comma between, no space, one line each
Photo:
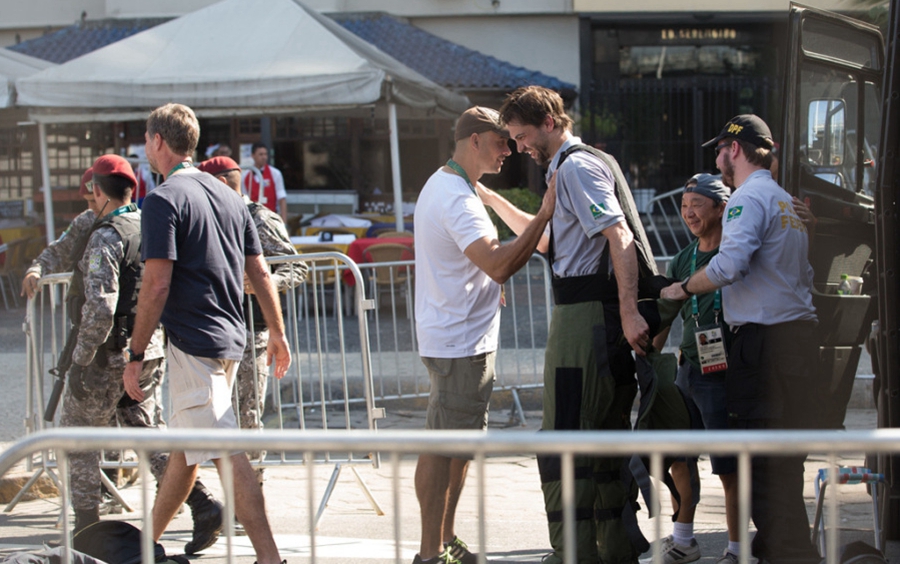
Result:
654,127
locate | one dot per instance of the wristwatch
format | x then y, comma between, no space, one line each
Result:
132,356
684,286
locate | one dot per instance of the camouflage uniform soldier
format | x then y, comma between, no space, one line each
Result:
59,256
62,256
252,380
104,293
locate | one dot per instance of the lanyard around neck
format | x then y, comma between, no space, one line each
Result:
179,166
460,171
695,305
123,209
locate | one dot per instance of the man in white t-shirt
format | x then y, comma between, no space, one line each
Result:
460,267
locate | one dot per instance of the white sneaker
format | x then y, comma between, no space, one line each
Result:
673,553
728,558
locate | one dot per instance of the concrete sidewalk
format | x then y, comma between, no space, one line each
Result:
350,530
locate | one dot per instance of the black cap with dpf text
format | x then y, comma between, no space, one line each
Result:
745,127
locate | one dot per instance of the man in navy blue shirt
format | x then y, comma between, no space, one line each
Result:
199,242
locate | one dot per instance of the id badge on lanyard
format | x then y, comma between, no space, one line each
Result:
709,338
711,348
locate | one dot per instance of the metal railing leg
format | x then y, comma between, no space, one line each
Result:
367,492
332,483
34,478
517,413
114,491
329,489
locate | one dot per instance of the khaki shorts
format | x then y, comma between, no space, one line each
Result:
460,391
201,396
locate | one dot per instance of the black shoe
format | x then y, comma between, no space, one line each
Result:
460,551
207,514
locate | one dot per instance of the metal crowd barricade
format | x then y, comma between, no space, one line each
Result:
326,381
331,372
663,222
49,305
566,445
524,322
333,382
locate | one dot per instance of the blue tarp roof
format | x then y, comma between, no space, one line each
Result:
444,62
447,63
82,38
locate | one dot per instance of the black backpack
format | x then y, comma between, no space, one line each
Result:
118,542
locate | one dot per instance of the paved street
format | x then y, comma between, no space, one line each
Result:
350,529
515,523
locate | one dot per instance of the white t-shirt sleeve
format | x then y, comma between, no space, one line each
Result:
589,192
280,193
244,174
466,220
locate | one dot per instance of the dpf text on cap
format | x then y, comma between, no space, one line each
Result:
478,119
745,127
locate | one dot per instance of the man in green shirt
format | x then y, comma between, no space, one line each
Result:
702,206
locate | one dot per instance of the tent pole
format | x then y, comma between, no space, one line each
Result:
48,191
395,166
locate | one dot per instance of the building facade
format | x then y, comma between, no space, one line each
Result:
650,81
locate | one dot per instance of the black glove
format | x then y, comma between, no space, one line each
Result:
76,379
651,286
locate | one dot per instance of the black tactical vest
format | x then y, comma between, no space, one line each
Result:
259,323
131,271
600,286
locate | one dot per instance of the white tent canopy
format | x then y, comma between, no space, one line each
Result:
16,65
236,57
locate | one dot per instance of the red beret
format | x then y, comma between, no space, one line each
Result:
85,178
218,165
114,165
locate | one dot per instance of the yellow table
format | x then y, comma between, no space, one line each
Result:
13,233
313,230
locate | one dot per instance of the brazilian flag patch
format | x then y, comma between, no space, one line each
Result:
598,210
734,212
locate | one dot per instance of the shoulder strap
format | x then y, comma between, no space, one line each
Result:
646,262
254,207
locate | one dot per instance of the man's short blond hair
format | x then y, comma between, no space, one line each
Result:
178,127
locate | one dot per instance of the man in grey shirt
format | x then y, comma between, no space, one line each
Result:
589,370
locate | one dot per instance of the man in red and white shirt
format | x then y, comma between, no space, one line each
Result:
145,180
272,195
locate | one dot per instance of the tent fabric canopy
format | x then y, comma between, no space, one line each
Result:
285,55
230,57
16,65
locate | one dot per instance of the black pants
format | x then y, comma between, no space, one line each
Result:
772,384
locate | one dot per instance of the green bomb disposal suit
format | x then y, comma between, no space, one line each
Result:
589,373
